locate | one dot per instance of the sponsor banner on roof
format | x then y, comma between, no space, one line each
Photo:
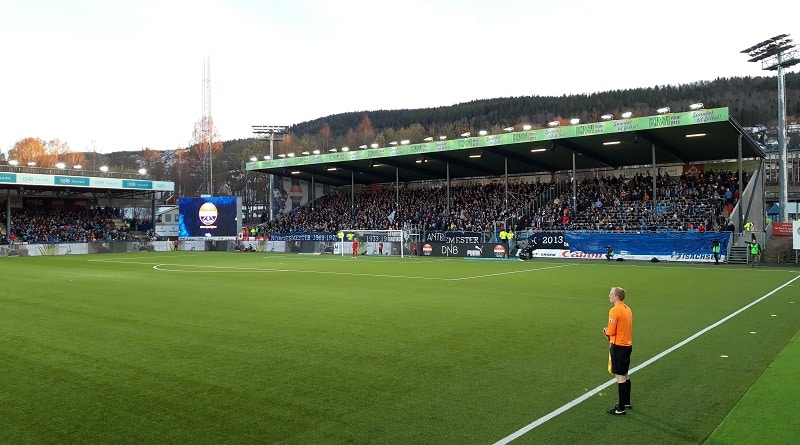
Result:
83,181
543,134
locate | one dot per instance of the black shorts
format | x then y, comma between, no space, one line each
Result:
620,359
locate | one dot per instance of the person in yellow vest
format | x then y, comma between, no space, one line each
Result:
509,242
755,251
715,249
748,226
503,236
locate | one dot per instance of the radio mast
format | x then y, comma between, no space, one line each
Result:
207,128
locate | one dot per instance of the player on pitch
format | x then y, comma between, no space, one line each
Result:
619,333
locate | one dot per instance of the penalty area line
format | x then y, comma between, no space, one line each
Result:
535,269
540,421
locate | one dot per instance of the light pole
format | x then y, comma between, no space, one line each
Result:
778,53
274,133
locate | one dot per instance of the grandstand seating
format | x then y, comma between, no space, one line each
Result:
606,203
67,225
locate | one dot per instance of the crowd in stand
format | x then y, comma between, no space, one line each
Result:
699,202
65,225
473,208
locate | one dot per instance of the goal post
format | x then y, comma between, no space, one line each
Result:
375,242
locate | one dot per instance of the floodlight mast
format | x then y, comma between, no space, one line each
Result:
778,53
273,133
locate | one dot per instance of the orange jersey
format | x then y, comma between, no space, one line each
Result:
620,325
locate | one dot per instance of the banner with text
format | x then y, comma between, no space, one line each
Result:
463,250
453,237
677,246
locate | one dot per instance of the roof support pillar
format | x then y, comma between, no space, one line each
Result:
505,183
8,211
447,184
353,194
574,188
654,198
397,192
740,225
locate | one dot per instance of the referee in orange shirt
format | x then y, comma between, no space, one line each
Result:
619,333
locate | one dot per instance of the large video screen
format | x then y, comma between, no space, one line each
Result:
209,217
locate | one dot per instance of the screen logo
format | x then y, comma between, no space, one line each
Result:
207,215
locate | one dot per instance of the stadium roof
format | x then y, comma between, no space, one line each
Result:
688,137
79,183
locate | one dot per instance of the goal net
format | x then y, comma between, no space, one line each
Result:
375,242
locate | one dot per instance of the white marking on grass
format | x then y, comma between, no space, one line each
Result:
188,268
709,266
509,272
540,421
226,269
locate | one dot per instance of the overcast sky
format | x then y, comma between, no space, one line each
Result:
125,75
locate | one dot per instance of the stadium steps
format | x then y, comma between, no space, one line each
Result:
738,255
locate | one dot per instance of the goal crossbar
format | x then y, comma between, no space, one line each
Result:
374,242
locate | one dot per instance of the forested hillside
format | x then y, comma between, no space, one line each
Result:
752,101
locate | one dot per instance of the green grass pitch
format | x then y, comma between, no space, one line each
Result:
218,347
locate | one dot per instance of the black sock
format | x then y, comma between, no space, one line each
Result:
625,396
621,391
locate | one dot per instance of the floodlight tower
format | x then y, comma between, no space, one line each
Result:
778,53
273,133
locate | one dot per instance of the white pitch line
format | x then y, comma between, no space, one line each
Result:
317,272
509,272
540,421
164,267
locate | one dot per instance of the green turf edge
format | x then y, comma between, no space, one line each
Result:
767,413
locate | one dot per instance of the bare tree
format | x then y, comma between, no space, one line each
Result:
28,150
44,154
